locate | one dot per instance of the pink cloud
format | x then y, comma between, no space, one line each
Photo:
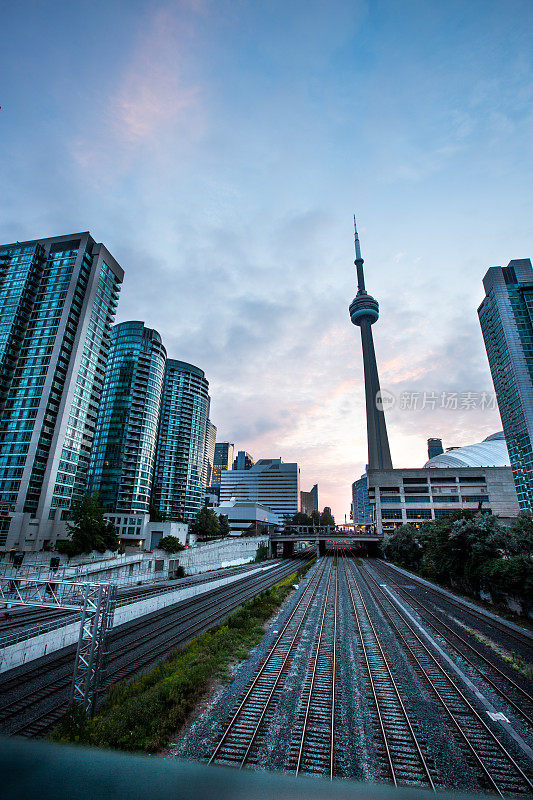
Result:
155,100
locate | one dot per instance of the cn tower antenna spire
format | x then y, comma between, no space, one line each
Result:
358,259
364,312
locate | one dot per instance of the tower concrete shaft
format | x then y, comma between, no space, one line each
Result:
378,442
364,311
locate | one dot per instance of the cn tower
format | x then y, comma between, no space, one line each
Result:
364,311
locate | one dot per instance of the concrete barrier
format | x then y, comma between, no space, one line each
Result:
225,553
29,649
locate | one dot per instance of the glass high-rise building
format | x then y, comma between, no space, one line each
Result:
243,460
57,301
210,442
179,484
435,447
123,456
223,461
506,317
361,508
270,482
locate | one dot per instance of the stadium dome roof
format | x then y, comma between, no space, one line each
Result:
492,452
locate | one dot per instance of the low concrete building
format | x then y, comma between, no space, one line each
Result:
136,530
246,516
398,496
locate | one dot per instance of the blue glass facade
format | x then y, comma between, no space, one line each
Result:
506,317
361,508
57,298
123,456
180,476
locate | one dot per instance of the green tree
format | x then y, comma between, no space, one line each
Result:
170,544
88,529
205,526
326,518
156,515
403,547
262,553
300,519
519,538
473,540
223,526
315,517
510,576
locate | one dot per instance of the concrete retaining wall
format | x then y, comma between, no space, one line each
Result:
20,653
225,553
142,567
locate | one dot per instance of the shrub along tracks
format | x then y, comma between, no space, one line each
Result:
351,687
37,696
515,692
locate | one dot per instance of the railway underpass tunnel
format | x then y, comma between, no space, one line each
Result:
288,549
366,550
350,548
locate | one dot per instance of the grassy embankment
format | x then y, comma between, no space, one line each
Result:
142,714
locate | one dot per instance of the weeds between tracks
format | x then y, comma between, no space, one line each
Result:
142,714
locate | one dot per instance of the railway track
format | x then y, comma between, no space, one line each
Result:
133,648
524,639
515,695
20,619
402,751
314,735
241,738
489,757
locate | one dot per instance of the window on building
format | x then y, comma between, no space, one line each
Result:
418,513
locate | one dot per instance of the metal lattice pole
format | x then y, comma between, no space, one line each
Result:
97,619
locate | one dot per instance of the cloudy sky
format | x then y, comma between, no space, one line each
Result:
219,149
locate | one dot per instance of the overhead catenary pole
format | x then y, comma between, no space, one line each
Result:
96,601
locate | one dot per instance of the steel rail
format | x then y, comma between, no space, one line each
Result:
181,637
334,674
468,705
428,616
525,640
393,683
247,590
312,685
310,590
125,629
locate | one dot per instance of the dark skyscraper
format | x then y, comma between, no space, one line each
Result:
364,311
223,461
435,447
243,460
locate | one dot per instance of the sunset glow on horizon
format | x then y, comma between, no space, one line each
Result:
219,151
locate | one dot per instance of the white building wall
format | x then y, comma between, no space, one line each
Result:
390,490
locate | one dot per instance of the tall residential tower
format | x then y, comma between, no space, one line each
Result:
506,317
180,473
57,301
123,456
364,312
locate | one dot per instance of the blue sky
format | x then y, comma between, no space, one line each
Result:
219,150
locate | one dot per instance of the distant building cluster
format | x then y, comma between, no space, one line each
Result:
496,475
88,406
